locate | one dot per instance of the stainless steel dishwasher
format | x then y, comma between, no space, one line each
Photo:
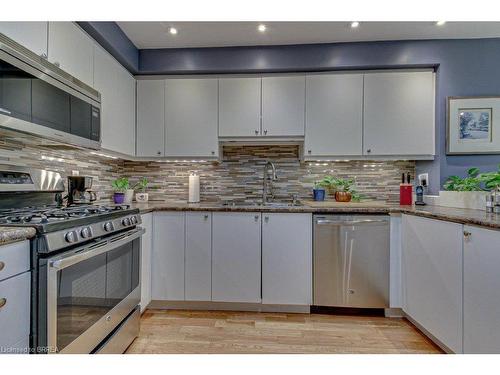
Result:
351,261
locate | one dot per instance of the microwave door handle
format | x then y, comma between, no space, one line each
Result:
94,250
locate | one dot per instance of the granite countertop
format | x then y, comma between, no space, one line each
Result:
457,215
14,234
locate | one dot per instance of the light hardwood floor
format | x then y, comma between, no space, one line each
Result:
174,331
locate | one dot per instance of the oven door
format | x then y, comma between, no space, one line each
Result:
91,290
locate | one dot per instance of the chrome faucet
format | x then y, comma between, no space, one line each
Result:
267,183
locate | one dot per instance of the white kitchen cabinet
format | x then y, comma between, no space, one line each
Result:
198,259
236,257
334,115
432,277
32,35
117,88
283,105
398,114
146,249
481,290
287,258
15,312
191,117
239,107
168,256
72,49
150,118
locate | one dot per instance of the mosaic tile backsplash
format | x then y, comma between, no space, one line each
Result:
237,177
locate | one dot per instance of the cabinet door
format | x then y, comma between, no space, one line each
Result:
146,249
32,35
283,106
432,277
150,117
15,313
239,107
168,256
117,111
481,291
72,49
287,258
198,256
236,257
334,115
191,117
399,113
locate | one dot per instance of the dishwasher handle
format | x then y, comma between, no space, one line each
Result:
350,222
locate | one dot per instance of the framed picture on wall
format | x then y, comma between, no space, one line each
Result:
473,125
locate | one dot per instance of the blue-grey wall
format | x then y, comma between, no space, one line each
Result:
464,67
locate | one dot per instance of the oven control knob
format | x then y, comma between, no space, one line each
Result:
133,220
126,221
71,237
108,226
86,232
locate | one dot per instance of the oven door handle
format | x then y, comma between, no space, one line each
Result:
96,249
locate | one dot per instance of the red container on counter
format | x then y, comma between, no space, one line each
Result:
406,194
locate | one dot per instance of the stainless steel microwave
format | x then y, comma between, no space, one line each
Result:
38,98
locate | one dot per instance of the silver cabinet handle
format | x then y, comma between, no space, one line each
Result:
205,217
158,152
6,111
467,235
265,132
3,302
43,56
266,219
2,265
308,151
256,217
213,152
256,132
369,150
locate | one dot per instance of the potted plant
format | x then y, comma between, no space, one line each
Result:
466,192
141,185
319,190
120,186
343,189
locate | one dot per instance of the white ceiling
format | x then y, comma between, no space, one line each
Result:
223,34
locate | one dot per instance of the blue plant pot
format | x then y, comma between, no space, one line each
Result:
319,194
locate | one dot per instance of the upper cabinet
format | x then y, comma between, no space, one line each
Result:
72,50
283,106
398,115
117,88
32,35
191,117
239,107
334,116
150,118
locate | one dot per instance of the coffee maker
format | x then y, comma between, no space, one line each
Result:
79,190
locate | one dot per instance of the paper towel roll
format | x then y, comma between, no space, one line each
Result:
194,188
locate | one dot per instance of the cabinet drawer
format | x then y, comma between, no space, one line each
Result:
15,312
14,259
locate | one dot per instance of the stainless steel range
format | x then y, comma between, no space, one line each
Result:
85,265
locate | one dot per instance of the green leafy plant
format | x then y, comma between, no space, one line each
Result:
491,180
142,184
470,183
120,185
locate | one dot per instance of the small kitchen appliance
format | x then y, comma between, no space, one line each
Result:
85,264
79,190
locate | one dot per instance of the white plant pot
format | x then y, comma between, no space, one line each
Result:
141,197
129,195
475,200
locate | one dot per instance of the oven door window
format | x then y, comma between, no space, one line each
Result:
87,291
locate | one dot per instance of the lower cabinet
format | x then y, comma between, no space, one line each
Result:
481,290
146,248
236,257
168,256
432,277
287,258
198,256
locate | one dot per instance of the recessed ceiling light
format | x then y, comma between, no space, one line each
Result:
172,30
262,28
354,24
440,23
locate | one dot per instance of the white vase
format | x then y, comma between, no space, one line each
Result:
129,195
475,200
141,197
